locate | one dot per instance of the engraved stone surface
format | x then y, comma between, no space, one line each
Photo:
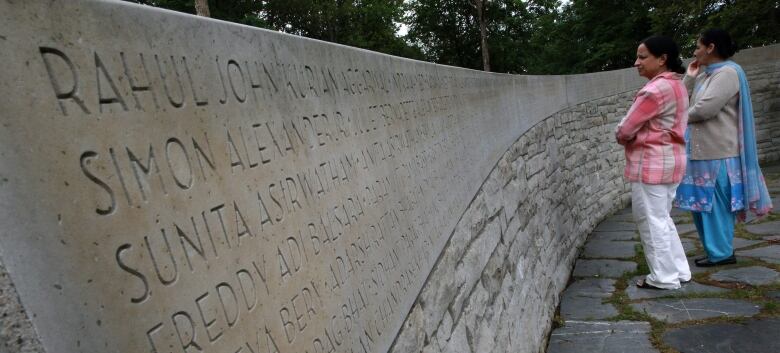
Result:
174,181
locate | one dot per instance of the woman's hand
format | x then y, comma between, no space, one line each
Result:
693,69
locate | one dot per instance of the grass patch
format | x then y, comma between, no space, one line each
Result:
558,320
657,330
771,309
683,218
773,216
735,291
641,264
739,231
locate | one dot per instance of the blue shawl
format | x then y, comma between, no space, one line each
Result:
757,197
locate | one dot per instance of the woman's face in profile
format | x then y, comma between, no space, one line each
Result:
647,64
703,53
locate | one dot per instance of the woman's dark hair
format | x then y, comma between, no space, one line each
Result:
660,45
724,45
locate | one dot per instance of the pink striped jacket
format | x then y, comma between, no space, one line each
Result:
653,132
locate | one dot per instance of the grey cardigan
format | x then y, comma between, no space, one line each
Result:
713,114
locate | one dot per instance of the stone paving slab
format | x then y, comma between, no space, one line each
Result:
625,217
689,245
692,265
679,310
602,337
752,275
767,228
679,212
609,249
685,228
603,268
614,226
635,293
622,236
770,169
682,219
754,336
768,253
582,300
743,243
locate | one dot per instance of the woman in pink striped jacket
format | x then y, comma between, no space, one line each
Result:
653,134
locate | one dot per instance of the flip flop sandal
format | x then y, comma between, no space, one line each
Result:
644,285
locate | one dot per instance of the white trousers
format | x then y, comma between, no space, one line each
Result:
651,205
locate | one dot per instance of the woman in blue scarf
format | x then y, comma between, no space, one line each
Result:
722,180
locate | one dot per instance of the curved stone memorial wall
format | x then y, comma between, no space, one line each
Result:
178,184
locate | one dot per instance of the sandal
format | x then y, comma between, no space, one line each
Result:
644,285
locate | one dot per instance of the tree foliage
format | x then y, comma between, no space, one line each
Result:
522,36
367,24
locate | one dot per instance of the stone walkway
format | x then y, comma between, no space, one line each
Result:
732,308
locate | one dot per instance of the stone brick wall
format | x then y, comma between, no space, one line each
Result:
763,69
496,285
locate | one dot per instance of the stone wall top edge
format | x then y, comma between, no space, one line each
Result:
626,79
758,55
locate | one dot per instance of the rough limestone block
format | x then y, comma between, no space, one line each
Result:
459,342
470,267
412,337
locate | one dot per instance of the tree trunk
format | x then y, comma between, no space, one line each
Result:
480,6
202,8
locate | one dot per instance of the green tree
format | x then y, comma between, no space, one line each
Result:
603,33
449,32
367,24
238,11
518,36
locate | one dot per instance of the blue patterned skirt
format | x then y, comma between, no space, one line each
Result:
697,189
